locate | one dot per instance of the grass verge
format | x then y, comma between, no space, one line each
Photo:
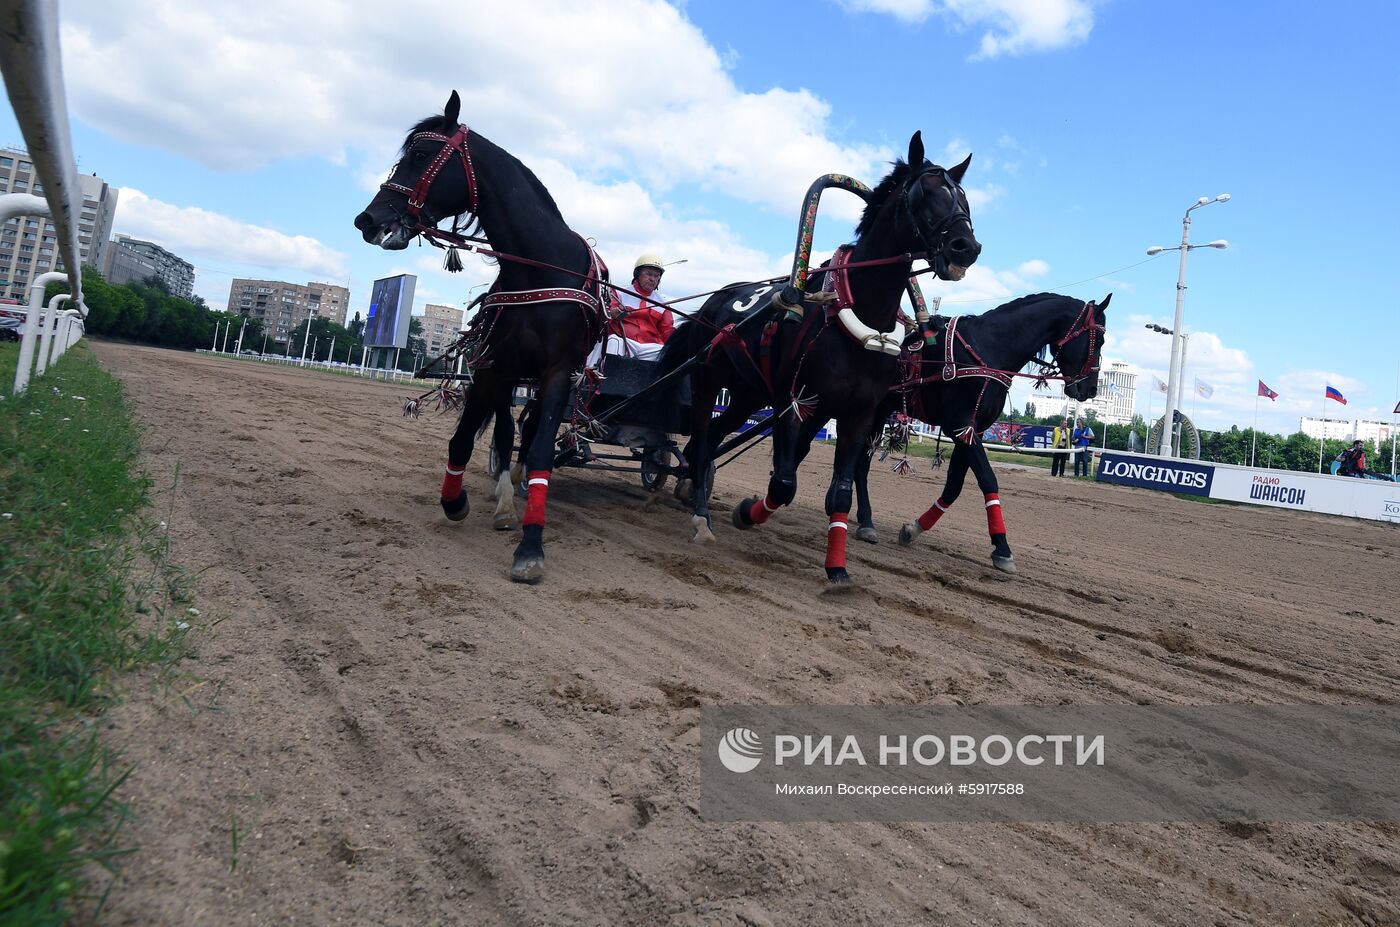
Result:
75,547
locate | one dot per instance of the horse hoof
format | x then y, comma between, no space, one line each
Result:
456,509
837,576
908,533
528,570
683,489
504,523
700,530
1005,564
740,510
867,534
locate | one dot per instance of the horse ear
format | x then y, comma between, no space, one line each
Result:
957,172
916,150
1103,304
453,109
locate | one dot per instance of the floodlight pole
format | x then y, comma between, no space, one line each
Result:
1174,371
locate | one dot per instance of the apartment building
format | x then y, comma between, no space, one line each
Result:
29,244
1116,397
440,327
283,306
131,260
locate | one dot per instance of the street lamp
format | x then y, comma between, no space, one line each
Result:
1168,430
1174,372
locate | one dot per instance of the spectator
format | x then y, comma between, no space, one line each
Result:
1059,439
1082,437
1353,460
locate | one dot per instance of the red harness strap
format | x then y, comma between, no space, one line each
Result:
591,304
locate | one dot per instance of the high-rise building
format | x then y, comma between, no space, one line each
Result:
1333,429
440,327
29,244
131,260
1115,399
1379,432
283,307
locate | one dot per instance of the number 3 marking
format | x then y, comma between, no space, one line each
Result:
752,300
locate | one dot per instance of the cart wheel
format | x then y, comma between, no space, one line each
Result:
653,476
493,463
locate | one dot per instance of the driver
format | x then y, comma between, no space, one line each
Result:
640,326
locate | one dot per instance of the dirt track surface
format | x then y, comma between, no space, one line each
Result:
399,735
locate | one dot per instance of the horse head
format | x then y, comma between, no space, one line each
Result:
432,180
1079,353
937,207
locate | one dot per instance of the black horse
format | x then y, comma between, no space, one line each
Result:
823,366
961,384
540,320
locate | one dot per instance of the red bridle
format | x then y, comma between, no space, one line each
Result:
418,196
1084,322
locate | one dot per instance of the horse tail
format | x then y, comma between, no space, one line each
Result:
486,423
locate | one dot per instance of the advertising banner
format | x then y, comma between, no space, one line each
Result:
1164,473
1309,492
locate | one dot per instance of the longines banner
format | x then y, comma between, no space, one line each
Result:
1165,473
1377,500
1238,763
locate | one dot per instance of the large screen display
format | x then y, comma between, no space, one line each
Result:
390,307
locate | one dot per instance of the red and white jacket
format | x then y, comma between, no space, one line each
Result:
645,323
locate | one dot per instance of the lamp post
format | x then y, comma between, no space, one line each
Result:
1174,372
1177,375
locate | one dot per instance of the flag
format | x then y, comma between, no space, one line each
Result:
1113,388
1161,387
1397,409
1265,391
1334,393
1204,389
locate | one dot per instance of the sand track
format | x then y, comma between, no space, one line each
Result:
400,735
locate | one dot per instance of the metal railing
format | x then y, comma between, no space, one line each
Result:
32,64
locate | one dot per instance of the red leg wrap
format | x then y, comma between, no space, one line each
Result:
930,518
836,540
538,482
452,482
994,523
762,510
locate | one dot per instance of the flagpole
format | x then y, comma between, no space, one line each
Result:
1323,436
1254,429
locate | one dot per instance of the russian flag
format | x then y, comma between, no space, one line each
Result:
1334,393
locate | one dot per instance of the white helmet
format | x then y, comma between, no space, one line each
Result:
647,260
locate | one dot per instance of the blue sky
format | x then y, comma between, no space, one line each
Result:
245,137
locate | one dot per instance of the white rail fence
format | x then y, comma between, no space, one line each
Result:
32,65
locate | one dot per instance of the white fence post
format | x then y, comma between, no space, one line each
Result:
34,319
46,335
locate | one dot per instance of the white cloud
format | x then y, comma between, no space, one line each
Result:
562,79
198,233
1013,26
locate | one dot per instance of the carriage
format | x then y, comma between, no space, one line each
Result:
835,352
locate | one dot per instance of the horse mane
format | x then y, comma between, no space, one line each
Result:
439,124
1018,302
892,182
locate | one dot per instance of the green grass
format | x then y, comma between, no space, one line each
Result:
79,559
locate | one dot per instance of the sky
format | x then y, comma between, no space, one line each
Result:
245,136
